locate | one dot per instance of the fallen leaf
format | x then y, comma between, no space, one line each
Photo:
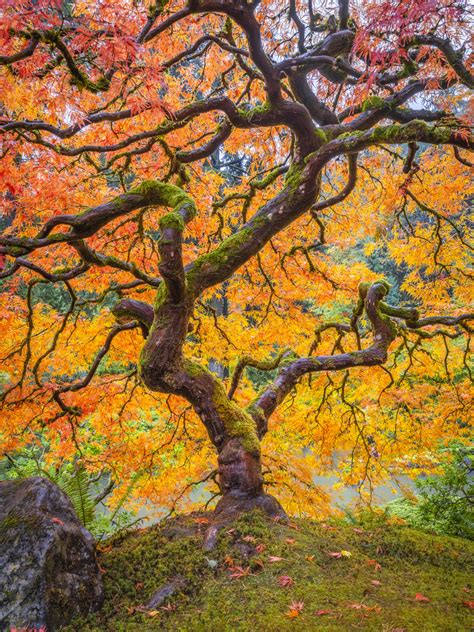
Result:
260,548
295,609
375,582
290,540
321,613
309,558
375,564
153,613
240,572
338,554
248,538
273,558
420,597
285,581
468,604
357,530
57,521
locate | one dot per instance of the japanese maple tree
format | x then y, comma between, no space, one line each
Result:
203,202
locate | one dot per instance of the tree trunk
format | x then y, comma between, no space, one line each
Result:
241,483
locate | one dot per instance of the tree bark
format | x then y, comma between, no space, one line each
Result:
241,483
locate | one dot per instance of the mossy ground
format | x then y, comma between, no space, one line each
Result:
402,562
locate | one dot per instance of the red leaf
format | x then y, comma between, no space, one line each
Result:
285,581
274,558
468,604
321,613
420,597
240,572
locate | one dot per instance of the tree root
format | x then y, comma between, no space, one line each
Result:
229,508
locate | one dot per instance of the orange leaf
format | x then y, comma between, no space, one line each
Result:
420,597
295,609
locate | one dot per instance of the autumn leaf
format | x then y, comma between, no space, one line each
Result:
468,604
421,598
295,609
274,558
375,564
239,572
340,554
322,613
285,581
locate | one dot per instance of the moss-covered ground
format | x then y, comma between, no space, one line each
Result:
371,576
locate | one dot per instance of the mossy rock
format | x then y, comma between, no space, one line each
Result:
48,569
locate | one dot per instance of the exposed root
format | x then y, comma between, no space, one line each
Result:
229,508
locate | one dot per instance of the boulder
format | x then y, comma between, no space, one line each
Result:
48,568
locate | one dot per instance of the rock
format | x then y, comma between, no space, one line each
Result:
166,591
48,569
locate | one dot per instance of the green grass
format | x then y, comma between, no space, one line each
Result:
411,562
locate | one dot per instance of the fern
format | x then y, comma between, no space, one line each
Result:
78,489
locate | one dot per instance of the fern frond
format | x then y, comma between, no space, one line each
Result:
79,490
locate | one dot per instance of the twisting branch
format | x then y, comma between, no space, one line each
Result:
385,331
76,386
261,365
128,308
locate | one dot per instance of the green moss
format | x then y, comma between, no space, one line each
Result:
220,256
409,561
172,220
373,103
415,130
237,422
163,193
321,136
10,522
294,177
385,284
249,114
